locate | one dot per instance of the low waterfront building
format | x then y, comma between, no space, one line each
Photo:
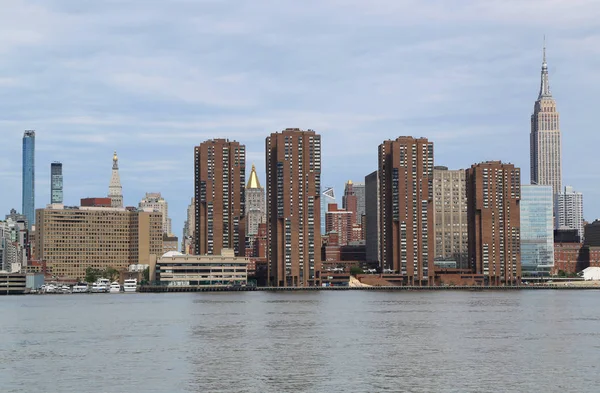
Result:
175,269
12,283
72,239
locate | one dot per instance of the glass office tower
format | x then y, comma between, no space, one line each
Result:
537,236
29,177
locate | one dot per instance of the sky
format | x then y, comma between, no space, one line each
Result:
151,79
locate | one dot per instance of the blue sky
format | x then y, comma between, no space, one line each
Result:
152,79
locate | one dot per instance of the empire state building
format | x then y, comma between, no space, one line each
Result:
545,137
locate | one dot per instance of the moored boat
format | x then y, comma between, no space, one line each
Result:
130,285
101,285
115,287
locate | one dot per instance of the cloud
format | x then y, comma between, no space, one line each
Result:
153,79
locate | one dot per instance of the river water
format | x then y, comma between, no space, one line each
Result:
513,341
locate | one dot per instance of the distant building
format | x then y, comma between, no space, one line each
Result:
371,229
187,241
153,201
115,191
170,242
406,208
28,194
545,142
327,197
450,216
359,191
350,202
96,202
69,240
493,216
592,234
255,204
568,210
13,242
339,221
537,228
293,159
220,181
56,183
176,269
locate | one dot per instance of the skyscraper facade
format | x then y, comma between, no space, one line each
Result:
359,191
568,210
220,181
327,197
255,204
450,215
154,201
293,164
56,183
372,217
537,228
115,191
28,195
545,145
350,202
493,215
406,208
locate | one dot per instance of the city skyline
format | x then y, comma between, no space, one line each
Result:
469,94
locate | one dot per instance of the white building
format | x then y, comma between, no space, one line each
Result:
568,210
13,254
591,273
153,201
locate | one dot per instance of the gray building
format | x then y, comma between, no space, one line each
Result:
537,229
450,216
255,204
568,210
28,181
372,217
359,191
56,183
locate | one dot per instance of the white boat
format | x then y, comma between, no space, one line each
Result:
81,287
65,289
49,288
130,285
115,287
101,285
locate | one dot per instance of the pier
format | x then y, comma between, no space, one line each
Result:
163,288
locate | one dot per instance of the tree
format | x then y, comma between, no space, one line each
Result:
111,273
91,274
355,270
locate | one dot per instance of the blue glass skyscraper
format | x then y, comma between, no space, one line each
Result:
537,235
29,177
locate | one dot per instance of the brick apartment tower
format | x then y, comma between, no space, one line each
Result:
220,171
339,221
293,165
406,208
493,217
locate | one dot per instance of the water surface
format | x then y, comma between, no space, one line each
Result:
515,341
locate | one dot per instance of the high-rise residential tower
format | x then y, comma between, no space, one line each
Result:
56,183
493,215
293,164
255,204
545,146
115,191
154,201
537,228
568,210
406,208
220,181
450,217
29,177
